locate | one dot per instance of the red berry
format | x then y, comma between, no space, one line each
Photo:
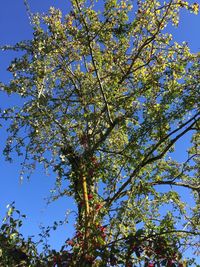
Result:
98,206
170,263
102,228
93,159
70,242
90,196
151,265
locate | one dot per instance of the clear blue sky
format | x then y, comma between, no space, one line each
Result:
29,197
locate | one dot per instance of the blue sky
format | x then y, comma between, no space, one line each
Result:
29,196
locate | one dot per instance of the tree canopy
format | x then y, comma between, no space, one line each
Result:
106,93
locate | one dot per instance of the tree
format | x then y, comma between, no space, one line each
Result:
106,94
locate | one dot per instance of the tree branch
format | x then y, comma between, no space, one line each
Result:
95,68
193,187
148,160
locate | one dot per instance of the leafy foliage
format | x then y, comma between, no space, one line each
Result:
106,94
14,250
